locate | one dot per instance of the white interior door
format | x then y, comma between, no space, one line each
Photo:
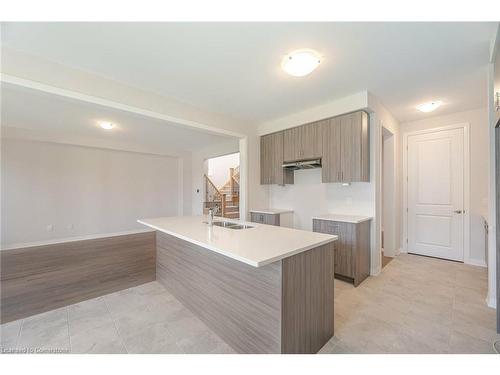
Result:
436,194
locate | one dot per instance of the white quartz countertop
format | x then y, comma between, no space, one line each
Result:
345,218
271,211
257,246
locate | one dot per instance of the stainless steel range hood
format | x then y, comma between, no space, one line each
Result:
302,164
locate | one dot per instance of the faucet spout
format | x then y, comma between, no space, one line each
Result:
210,216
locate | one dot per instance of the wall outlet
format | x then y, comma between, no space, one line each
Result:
50,227
70,226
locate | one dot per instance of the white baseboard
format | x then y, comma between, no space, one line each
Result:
476,262
491,301
402,251
374,273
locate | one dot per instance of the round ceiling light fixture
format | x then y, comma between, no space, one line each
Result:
430,106
301,62
106,125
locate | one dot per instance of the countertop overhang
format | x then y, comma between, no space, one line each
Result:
345,218
257,246
271,211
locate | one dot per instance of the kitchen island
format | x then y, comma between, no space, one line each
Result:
263,289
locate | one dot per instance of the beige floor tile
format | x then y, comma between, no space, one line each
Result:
204,342
9,333
101,339
413,306
155,339
134,320
461,343
45,331
88,315
53,338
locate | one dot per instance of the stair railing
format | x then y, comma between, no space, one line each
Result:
234,184
214,198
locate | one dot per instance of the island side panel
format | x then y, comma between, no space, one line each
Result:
307,307
241,303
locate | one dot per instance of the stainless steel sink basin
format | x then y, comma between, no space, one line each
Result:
225,224
240,226
230,225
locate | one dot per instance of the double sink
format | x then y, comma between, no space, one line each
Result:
230,225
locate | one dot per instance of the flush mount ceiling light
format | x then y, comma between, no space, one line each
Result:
301,63
106,125
430,106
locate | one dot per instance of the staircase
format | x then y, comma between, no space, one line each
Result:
225,200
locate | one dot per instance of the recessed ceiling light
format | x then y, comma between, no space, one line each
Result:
106,125
430,106
300,63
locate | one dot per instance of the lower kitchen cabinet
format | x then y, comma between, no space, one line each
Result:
282,218
352,249
271,219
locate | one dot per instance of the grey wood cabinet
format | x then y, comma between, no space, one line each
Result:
331,159
303,142
346,148
262,218
341,142
352,249
271,160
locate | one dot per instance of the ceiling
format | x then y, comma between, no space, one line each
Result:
77,120
234,68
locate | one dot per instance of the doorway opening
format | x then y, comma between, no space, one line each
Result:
388,219
222,186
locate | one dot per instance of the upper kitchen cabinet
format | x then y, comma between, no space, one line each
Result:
271,161
331,170
302,142
341,142
346,149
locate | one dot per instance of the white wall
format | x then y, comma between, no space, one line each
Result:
479,170
97,191
389,214
379,119
218,168
493,86
309,197
332,108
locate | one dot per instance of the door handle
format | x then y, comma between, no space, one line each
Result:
458,211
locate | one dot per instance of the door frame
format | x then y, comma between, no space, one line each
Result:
466,128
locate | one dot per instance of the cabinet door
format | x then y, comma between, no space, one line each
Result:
344,262
303,142
256,217
272,219
265,159
292,144
310,140
331,165
354,147
271,161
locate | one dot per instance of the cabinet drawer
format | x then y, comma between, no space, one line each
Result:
328,227
261,218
